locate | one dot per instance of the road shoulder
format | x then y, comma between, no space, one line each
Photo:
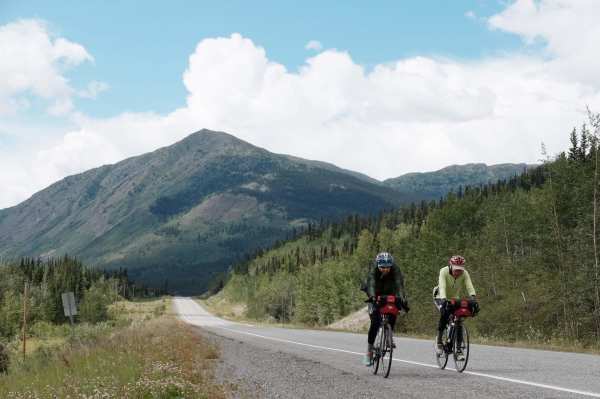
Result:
255,372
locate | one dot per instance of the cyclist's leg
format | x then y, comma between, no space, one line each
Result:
392,321
459,338
443,322
373,329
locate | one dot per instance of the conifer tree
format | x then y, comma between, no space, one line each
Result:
574,150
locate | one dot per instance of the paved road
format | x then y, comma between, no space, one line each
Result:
493,372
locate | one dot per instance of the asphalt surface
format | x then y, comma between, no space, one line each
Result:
296,363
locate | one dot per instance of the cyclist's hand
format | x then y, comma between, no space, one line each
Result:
444,304
399,302
475,307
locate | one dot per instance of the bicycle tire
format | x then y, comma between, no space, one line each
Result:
387,354
377,350
461,365
441,358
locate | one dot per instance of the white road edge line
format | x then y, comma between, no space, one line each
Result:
505,379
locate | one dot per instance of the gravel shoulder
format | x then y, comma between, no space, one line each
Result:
251,372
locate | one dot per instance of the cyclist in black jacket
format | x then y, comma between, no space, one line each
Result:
385,279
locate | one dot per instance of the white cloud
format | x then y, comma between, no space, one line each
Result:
314,45
93,89
33,62
414,114
569,29
470,14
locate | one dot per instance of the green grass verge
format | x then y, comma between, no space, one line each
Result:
154,356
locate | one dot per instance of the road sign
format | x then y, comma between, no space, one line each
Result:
68,300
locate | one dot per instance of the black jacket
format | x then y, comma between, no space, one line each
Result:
390,284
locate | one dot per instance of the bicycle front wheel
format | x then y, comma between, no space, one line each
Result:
441,357
461,348
377,349
386,355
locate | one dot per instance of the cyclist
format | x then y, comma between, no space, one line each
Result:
453,281
385,278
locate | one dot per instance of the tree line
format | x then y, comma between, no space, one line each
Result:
47,279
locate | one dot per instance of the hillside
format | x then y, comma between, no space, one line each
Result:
529,244
180,214
435,185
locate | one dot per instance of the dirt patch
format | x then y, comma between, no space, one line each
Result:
355,322
221,207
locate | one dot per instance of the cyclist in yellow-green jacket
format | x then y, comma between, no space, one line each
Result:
454,280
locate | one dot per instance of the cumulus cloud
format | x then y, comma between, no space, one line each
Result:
470,14
33,62
568,29
314,45
414,114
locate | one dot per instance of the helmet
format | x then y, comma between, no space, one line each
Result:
457,261
384,259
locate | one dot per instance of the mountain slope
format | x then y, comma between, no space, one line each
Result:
186,211
434,185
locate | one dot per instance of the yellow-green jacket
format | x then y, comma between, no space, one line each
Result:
449,287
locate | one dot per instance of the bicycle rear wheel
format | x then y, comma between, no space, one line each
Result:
461,362
441,357
387,352
377,349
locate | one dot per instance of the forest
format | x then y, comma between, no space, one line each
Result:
531,245
46,280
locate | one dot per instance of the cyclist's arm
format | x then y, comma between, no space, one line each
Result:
371,283
399,277
469,284
442,285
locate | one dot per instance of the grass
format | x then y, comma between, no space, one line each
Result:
139,310
154,356
222,307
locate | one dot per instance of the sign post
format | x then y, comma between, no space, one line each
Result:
25,298
70,308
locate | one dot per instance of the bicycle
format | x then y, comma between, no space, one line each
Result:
383,347
450,338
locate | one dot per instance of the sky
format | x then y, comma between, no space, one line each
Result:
385,89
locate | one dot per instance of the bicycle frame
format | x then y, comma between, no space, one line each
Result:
453,324
459,348
383,349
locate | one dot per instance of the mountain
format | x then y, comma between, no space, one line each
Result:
187,211
434,185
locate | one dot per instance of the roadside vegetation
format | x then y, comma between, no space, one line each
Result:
117,348
531,243
141,352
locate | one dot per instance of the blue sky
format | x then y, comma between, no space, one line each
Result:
141,47
421,84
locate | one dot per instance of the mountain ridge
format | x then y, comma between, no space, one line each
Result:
189,210
435,184
185,210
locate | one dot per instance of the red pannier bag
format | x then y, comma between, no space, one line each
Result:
463,310
390,306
